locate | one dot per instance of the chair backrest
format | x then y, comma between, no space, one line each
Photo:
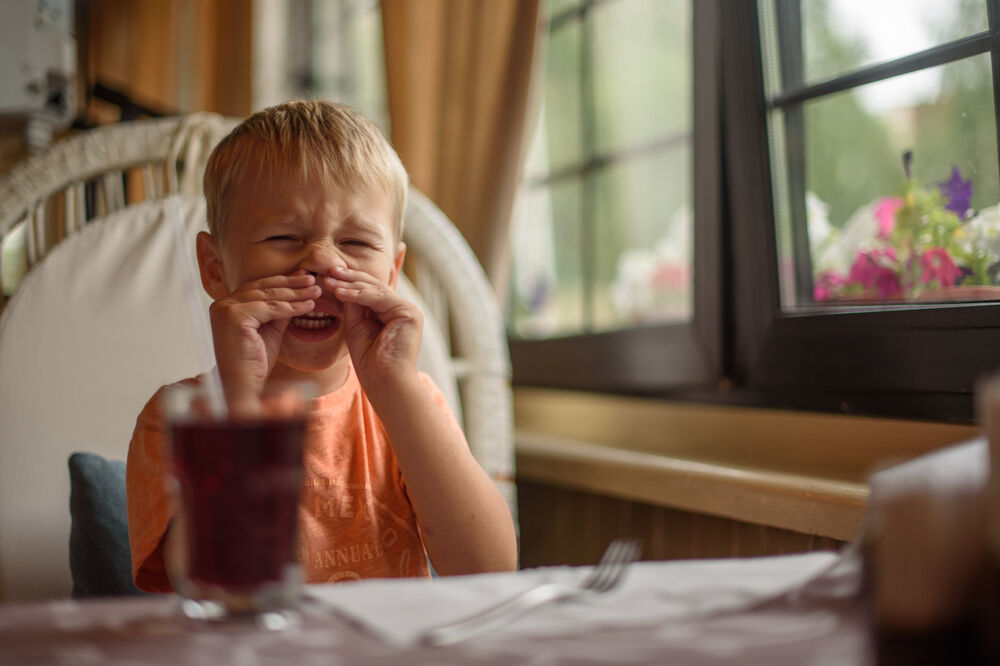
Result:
107,313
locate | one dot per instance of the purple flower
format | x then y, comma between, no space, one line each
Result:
539,294
958,192
937,264
877,269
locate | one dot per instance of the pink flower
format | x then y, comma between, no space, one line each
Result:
885,214
671,278
877,269
828,285
937,264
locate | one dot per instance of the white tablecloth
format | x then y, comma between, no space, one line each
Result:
781,610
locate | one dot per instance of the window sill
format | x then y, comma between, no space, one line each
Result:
799,471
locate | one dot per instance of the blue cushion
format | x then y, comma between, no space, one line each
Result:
99,557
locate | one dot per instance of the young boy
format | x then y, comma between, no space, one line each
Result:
305,211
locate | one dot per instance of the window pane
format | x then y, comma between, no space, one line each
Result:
642,71
557,7
885,228
643,248
548,271
602,231
842,35
347,63
561,107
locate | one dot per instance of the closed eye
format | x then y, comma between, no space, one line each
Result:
356,243
281,238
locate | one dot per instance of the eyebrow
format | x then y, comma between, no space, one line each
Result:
366,226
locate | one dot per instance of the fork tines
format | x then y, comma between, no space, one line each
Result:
613,564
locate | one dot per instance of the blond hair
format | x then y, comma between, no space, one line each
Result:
314,137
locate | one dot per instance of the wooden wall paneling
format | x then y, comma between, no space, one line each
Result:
133,47
563,526
171,55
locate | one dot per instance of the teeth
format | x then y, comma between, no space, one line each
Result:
313,320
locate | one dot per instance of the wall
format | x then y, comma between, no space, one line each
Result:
172,56
562,525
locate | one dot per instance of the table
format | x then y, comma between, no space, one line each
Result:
780,610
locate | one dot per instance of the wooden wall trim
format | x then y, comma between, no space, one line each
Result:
809,505
800,471
831,446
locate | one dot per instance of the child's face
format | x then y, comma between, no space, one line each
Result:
293,223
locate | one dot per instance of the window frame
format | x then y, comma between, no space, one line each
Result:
913,360
650,358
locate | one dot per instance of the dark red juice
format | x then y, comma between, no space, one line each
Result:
239,489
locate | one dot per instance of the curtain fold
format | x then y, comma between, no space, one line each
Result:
459,80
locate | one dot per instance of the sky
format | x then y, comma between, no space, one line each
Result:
893,28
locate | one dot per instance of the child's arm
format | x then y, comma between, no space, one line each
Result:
464,519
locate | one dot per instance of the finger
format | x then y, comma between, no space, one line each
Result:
258,312
279,293
293,281
377,297
345,274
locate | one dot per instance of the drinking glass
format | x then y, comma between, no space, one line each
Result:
231,550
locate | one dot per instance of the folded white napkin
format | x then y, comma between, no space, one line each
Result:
652,594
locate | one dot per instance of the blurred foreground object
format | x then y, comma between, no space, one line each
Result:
38,67
928,562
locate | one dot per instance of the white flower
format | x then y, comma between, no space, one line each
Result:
982,232
647,276
818,221
842,246
631,291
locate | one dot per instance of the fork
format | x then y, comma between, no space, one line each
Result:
605,576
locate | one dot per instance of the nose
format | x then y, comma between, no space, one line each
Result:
320,258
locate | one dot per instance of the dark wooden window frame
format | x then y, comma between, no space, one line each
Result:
918,361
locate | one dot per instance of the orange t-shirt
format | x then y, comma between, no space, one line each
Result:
355,518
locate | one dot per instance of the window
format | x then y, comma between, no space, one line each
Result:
609,173
329,49
604,226
883,150
839,261
346,57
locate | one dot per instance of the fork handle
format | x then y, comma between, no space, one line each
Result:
495,616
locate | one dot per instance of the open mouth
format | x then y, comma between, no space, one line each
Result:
314,321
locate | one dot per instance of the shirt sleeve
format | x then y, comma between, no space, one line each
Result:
148,498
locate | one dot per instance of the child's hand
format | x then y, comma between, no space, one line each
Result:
247,327
383,329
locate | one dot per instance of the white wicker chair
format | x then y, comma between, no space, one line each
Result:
71,380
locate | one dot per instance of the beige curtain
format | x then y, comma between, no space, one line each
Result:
459,78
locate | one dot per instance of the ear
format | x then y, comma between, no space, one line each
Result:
210,265
397,265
